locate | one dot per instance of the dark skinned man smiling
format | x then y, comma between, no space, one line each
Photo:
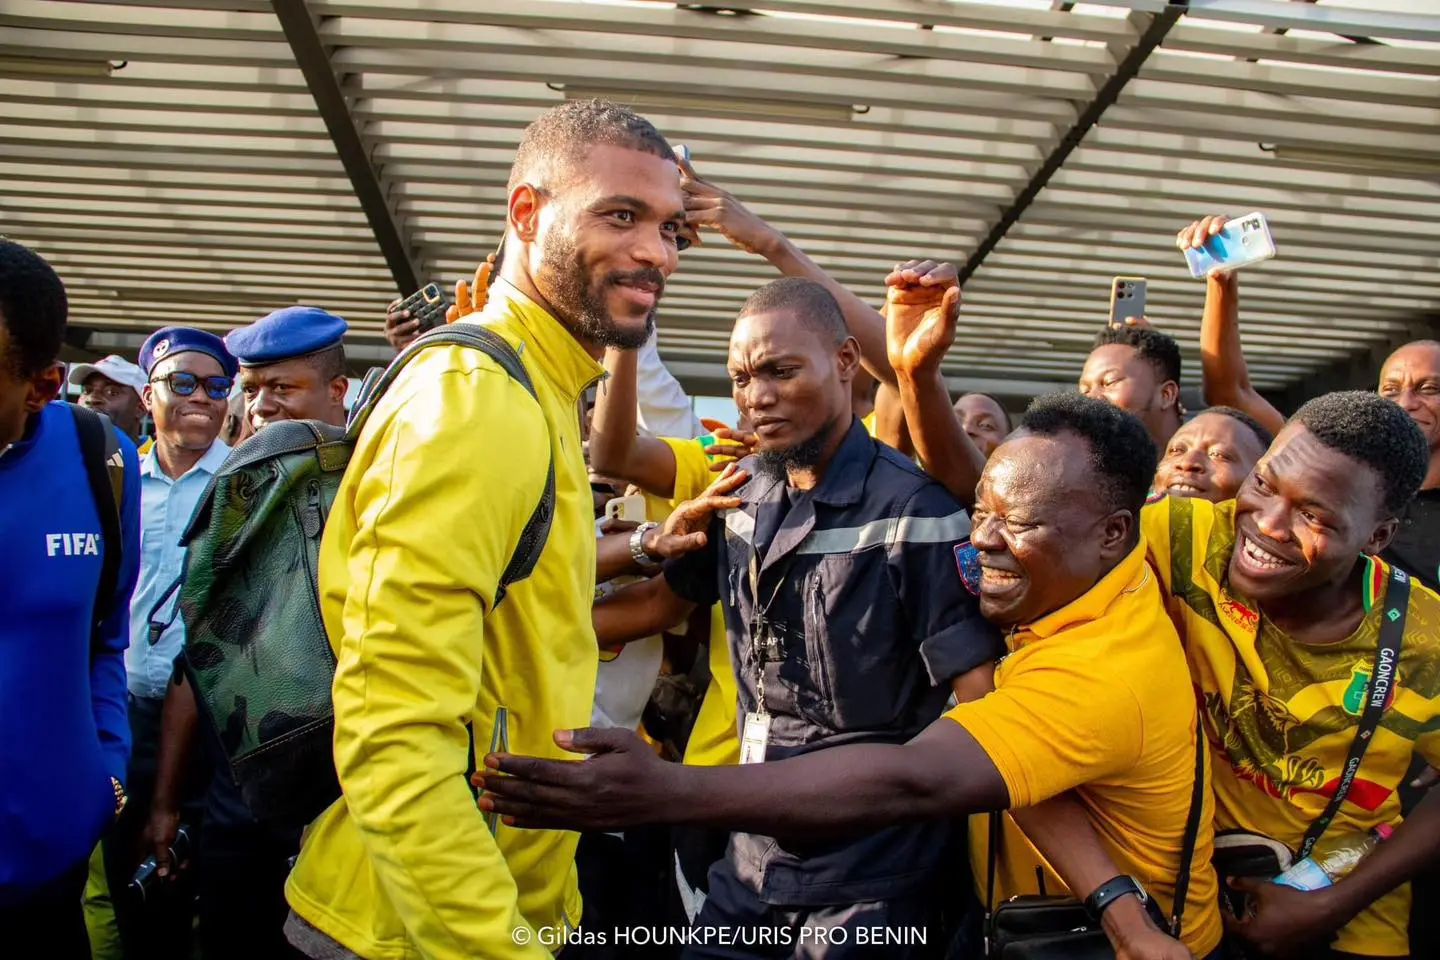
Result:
1062,568
1280,596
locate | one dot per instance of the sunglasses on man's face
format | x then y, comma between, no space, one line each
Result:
183,384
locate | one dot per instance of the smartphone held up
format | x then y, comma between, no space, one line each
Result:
1127,300
1239,243
428,305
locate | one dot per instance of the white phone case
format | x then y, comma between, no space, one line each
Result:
1244,241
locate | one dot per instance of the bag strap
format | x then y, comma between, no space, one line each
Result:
992,855
537,528
105,471
1192,830
1387,659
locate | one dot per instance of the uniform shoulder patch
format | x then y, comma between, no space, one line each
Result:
967,562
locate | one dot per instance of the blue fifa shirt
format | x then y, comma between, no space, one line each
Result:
165,509
62,702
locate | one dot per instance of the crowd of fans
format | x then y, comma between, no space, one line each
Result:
834,680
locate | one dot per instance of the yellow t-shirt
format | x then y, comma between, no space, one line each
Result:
1281,716
714,741
1095,698
869,422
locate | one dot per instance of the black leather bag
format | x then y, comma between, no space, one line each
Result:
1060,928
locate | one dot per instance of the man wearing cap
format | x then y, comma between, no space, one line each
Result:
112,386
189,374
292,367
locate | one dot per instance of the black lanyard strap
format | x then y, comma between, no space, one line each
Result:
1378,693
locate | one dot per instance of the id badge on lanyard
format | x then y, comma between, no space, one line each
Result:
755,738
764,644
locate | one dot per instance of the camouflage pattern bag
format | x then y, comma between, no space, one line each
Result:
256,651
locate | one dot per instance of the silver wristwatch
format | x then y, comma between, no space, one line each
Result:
637,548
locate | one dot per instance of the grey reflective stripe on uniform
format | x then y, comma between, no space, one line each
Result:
947,529
741,524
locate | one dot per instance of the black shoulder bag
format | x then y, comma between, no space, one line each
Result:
1060,928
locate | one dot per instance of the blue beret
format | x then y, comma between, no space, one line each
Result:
287,333
171,340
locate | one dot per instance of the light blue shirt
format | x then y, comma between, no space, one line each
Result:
165,509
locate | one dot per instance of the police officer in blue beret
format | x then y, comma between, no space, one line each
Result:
187,383
292,367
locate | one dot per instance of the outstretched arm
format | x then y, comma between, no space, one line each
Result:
942,773
1226,378
706,205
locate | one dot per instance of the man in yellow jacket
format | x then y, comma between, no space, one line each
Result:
448,470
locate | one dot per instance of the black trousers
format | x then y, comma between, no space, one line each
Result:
157,926
240,874
49,923
624,883
755,930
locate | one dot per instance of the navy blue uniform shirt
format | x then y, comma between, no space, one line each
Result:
859,585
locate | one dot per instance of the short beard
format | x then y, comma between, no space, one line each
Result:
802,456
583,307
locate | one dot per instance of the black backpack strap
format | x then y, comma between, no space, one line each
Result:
537,528
1192,830
1377,697
105,471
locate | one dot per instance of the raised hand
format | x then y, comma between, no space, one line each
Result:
706,205
469,299
922,304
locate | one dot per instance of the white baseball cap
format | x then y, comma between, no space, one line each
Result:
115,368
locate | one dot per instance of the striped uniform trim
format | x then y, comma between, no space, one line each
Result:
888,532
741,524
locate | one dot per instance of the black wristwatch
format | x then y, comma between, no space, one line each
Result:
1112,890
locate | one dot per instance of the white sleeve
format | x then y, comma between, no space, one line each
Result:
664,407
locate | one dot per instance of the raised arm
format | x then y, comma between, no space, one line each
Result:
890,426
1225,376
706,205
922,306
616,450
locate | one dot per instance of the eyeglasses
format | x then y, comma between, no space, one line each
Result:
183,384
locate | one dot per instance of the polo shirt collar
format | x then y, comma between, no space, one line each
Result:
548,343
1093,604
209,464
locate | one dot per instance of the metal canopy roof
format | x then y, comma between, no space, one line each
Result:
206,161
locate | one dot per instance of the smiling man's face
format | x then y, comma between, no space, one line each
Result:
1037,528
191,422
1302,517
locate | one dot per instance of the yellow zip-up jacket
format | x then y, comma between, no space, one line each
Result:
439,487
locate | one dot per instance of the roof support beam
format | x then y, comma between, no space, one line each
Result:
1360,371
303,33
1348,22
1108,93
